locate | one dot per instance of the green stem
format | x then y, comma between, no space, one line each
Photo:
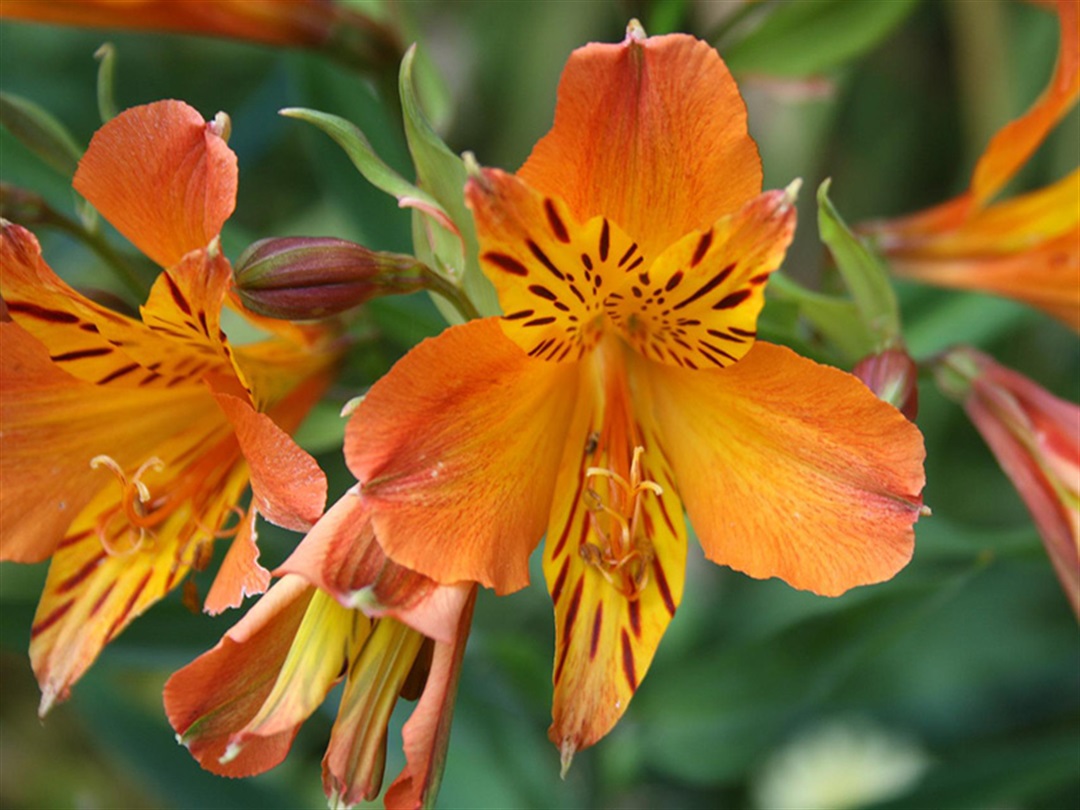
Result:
451,292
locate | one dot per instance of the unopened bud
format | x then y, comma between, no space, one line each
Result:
892,375
304,278
1036,439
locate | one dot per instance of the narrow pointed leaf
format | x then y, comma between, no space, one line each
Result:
443,174
356,146
863,273
39,131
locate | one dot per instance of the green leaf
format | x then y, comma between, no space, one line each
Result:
41,132
863,272
443,174
835,319
811,36
106,82
359,150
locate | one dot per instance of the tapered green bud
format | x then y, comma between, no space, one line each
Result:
306,278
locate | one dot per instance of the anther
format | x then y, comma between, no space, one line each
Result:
134,497
623,551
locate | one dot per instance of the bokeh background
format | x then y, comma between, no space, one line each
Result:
955,685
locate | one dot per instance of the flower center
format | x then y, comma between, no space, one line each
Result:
623,553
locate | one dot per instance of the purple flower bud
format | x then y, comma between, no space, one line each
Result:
304,278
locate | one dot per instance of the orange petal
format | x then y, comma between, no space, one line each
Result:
325,641
219,692
298,22
632,117
1046,277
93,591
54,425
615,557
240,574
185,304
287,485
38,401
697,305
162,177
1015,143
340,555
791,469
456,451
180,342
1026,248
551,272
427,731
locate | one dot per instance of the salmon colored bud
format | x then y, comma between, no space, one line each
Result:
1036,439
891,375
305,278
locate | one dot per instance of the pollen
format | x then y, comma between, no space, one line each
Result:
623,553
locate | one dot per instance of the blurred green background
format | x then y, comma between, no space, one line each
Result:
964,670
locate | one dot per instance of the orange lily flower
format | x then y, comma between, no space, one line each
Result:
1036,439
238,707
1027,247
302,23
125,445
630,256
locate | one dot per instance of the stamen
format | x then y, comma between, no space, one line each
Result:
134,497
624,551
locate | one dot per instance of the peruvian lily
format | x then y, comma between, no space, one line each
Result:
1026,247
1036,439
126,445
387,631
624,383
356,38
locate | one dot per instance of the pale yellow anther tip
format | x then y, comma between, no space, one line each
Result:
566,756
350,406
232,751
791,192
474,172
635,30
221,125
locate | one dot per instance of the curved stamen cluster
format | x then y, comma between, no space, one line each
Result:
625,551
136,507
138,513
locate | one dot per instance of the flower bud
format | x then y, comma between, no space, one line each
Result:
1036,439
304,278
891,375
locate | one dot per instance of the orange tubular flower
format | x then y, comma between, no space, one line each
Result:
125,445
303,23
630,256
1028,247
1036,439
238,707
